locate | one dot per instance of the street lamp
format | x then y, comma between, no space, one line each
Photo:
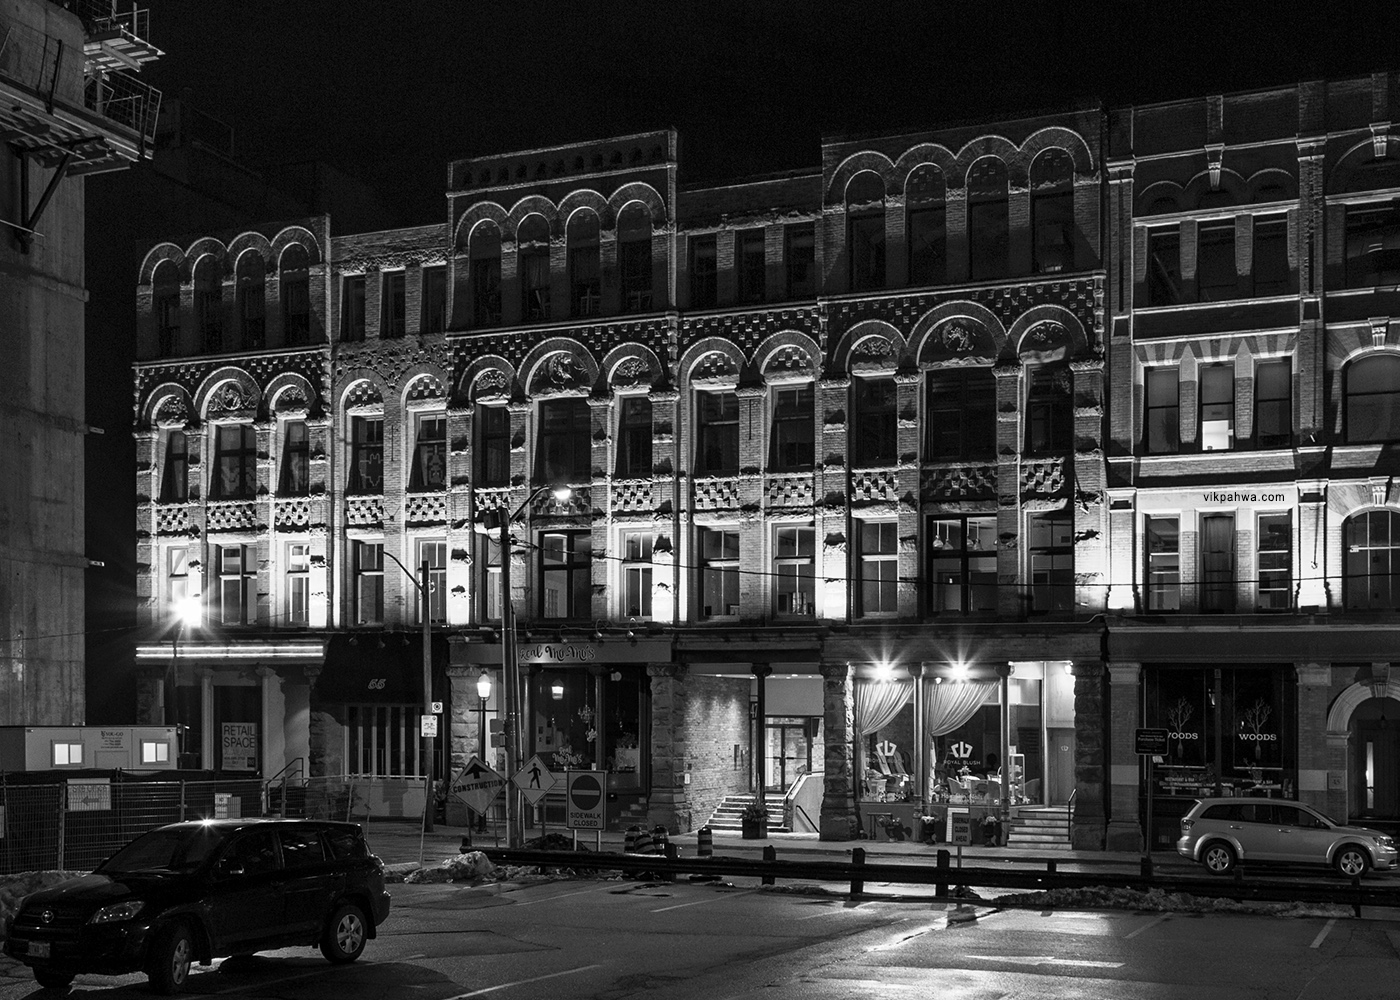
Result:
510,665
483,693
424,589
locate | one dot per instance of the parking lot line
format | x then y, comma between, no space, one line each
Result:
1317,941
522,982
697,902
562,895
1151,923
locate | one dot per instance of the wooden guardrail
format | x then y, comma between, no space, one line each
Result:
942,875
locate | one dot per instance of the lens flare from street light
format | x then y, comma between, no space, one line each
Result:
562,493
483,686
189,610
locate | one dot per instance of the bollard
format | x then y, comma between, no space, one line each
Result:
858,861
1050,866
704,843
466,845
770,853
660,839
1147,866
629,840
941,887
1356,907
670,851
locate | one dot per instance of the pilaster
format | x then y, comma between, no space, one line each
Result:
668,804
1314,697
1124,832
838,814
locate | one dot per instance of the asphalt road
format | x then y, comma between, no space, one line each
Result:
617,939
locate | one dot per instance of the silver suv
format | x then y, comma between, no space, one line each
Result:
1219,833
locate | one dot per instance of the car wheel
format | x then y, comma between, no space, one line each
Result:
1351,861
171,955
345,934
51,980
1219,858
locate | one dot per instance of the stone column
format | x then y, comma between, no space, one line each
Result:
1012,601
1088,831
667,803
838,815
758,754
1124,831
1314,689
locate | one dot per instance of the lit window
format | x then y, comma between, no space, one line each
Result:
1218,407
67,755
177,577
155,752
793,569
963,564
489,580
719,573
1162,544
879,567
636,574
429,452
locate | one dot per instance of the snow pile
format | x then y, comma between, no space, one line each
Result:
1099,897
466,867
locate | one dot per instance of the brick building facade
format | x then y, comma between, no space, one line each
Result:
861,462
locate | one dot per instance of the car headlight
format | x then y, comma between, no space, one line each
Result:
118,912
1387,842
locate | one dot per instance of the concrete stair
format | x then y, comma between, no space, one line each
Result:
726,816
1042,827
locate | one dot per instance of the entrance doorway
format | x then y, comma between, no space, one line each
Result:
1375,770
789,752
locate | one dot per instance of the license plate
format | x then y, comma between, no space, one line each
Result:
38,949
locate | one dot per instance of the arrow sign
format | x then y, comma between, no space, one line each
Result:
534,780
477,785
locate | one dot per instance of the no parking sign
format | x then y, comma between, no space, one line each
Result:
584,800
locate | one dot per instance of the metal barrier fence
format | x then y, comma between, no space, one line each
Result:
73,824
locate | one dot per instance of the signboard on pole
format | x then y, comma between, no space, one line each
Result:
1150,742
534,780
959,827
584,799
89,794
428,725
476,785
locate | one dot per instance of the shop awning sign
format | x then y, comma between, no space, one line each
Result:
1151,742
477,785
534,780
584,799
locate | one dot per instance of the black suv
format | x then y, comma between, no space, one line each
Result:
202,890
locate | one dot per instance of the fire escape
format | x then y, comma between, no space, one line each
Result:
50,118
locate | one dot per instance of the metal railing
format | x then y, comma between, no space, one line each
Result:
124,100
108,15
1069,818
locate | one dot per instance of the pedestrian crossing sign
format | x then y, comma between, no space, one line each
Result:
534,780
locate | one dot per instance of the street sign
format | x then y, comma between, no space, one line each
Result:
476,785
437,708
583,802
89,794
427,725
534,780
959,828
1151,742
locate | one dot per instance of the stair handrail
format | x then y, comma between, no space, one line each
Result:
1069,817
294,768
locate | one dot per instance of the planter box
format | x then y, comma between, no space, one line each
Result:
755,829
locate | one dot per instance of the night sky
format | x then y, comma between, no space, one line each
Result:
392,91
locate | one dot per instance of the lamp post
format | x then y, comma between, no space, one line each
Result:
424,589
483,693
510,664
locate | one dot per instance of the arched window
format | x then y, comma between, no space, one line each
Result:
486,274
1373,399
1052,211
1372,567
296,296
532,243
209,304
865,231
927,226
585,287
252,306
165,306
988,220
634,257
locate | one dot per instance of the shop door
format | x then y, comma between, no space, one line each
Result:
789,754
1061,754
1378,767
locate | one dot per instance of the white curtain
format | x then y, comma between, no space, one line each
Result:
877,703
948,706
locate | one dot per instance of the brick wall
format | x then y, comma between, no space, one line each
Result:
716,718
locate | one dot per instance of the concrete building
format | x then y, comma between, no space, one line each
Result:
71,106
872,469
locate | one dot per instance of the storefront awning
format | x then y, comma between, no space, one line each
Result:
379,668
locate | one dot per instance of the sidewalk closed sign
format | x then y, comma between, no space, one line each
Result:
959,828
584,800
239,746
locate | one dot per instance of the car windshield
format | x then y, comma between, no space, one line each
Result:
177,849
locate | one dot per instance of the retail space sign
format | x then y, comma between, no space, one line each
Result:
1150,742
534,780
240,746
477,785
585,799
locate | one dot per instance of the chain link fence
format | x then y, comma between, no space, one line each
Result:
73,825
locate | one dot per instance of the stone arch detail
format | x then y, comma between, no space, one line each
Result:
1257,180
1058,137
630,365
229,374
698,351
923,155
159,396
292,382
1346,704
353,377
857,163
1359,155
1231,182
642,192
422,370
481,211
581,199
990,145
1078,342
929,321
531,204
539,356
291,235
244,242
157,255
487,377
844,354
208,246
786,342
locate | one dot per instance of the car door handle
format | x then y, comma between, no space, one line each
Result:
1233,827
